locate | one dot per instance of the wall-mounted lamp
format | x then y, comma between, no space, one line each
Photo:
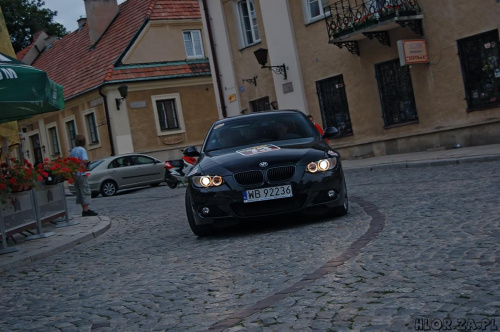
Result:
123,89
261,55
28,153
252,81
43,148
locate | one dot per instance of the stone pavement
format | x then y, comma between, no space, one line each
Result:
84,229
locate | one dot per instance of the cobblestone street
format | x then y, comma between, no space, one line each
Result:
420,247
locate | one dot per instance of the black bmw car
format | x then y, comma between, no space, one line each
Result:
262,164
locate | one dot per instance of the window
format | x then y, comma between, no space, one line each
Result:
480,60
314,9
260,105
396,93
93,137
193,44
248,22
143,160
54,141
167,115
333,104
121,162
71,132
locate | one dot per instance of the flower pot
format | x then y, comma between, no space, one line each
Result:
15,188
50,180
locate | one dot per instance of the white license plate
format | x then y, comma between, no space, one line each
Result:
264,194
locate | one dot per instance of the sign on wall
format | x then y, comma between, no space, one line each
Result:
412,52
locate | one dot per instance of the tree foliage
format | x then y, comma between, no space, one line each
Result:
24,18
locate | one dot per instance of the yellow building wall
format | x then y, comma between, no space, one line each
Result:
438,86
245,63
163,41
199,113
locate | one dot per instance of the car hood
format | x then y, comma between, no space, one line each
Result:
228,161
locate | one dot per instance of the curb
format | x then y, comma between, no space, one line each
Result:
100,228
427,163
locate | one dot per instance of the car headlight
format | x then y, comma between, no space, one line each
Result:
321,165
205,181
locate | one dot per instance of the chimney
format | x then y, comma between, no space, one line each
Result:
100,14
81,22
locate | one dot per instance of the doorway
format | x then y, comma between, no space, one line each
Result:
37,150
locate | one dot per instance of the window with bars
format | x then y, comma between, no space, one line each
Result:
193,44
71,132
248,22
333,104
54,141
396,93
480,60
167,114
261,104
92,128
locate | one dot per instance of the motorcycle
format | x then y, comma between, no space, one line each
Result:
176,170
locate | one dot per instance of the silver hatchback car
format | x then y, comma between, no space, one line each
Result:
108,175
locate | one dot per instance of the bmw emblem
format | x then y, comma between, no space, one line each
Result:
263,164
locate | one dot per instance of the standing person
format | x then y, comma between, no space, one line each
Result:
83,194
310,117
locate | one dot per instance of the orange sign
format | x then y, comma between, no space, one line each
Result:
412,51
231,98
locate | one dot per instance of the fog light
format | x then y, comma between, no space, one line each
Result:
332,194
205,210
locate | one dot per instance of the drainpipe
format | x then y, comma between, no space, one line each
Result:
108,122
216,63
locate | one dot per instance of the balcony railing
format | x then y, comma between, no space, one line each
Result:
347,17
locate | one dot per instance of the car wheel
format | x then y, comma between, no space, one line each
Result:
171,181
198,230
344,208
94,195
108,188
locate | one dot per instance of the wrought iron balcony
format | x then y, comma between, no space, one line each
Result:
348,21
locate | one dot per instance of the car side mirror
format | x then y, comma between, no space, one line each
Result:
191,151
331,132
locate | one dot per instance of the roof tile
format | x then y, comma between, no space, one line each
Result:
72,62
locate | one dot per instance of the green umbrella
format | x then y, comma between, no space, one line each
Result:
26,91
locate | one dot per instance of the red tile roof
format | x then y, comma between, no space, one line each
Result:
72,63
175,9
161,71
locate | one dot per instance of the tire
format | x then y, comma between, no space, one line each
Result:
343,209
198,230
109,188
94,195
171,181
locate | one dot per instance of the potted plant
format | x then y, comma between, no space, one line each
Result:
17,176
60,170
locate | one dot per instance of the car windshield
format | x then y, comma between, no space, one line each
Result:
256,130
94,164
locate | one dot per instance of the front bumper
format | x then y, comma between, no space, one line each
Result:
226,201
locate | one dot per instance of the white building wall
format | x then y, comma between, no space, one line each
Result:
224,58
282,49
